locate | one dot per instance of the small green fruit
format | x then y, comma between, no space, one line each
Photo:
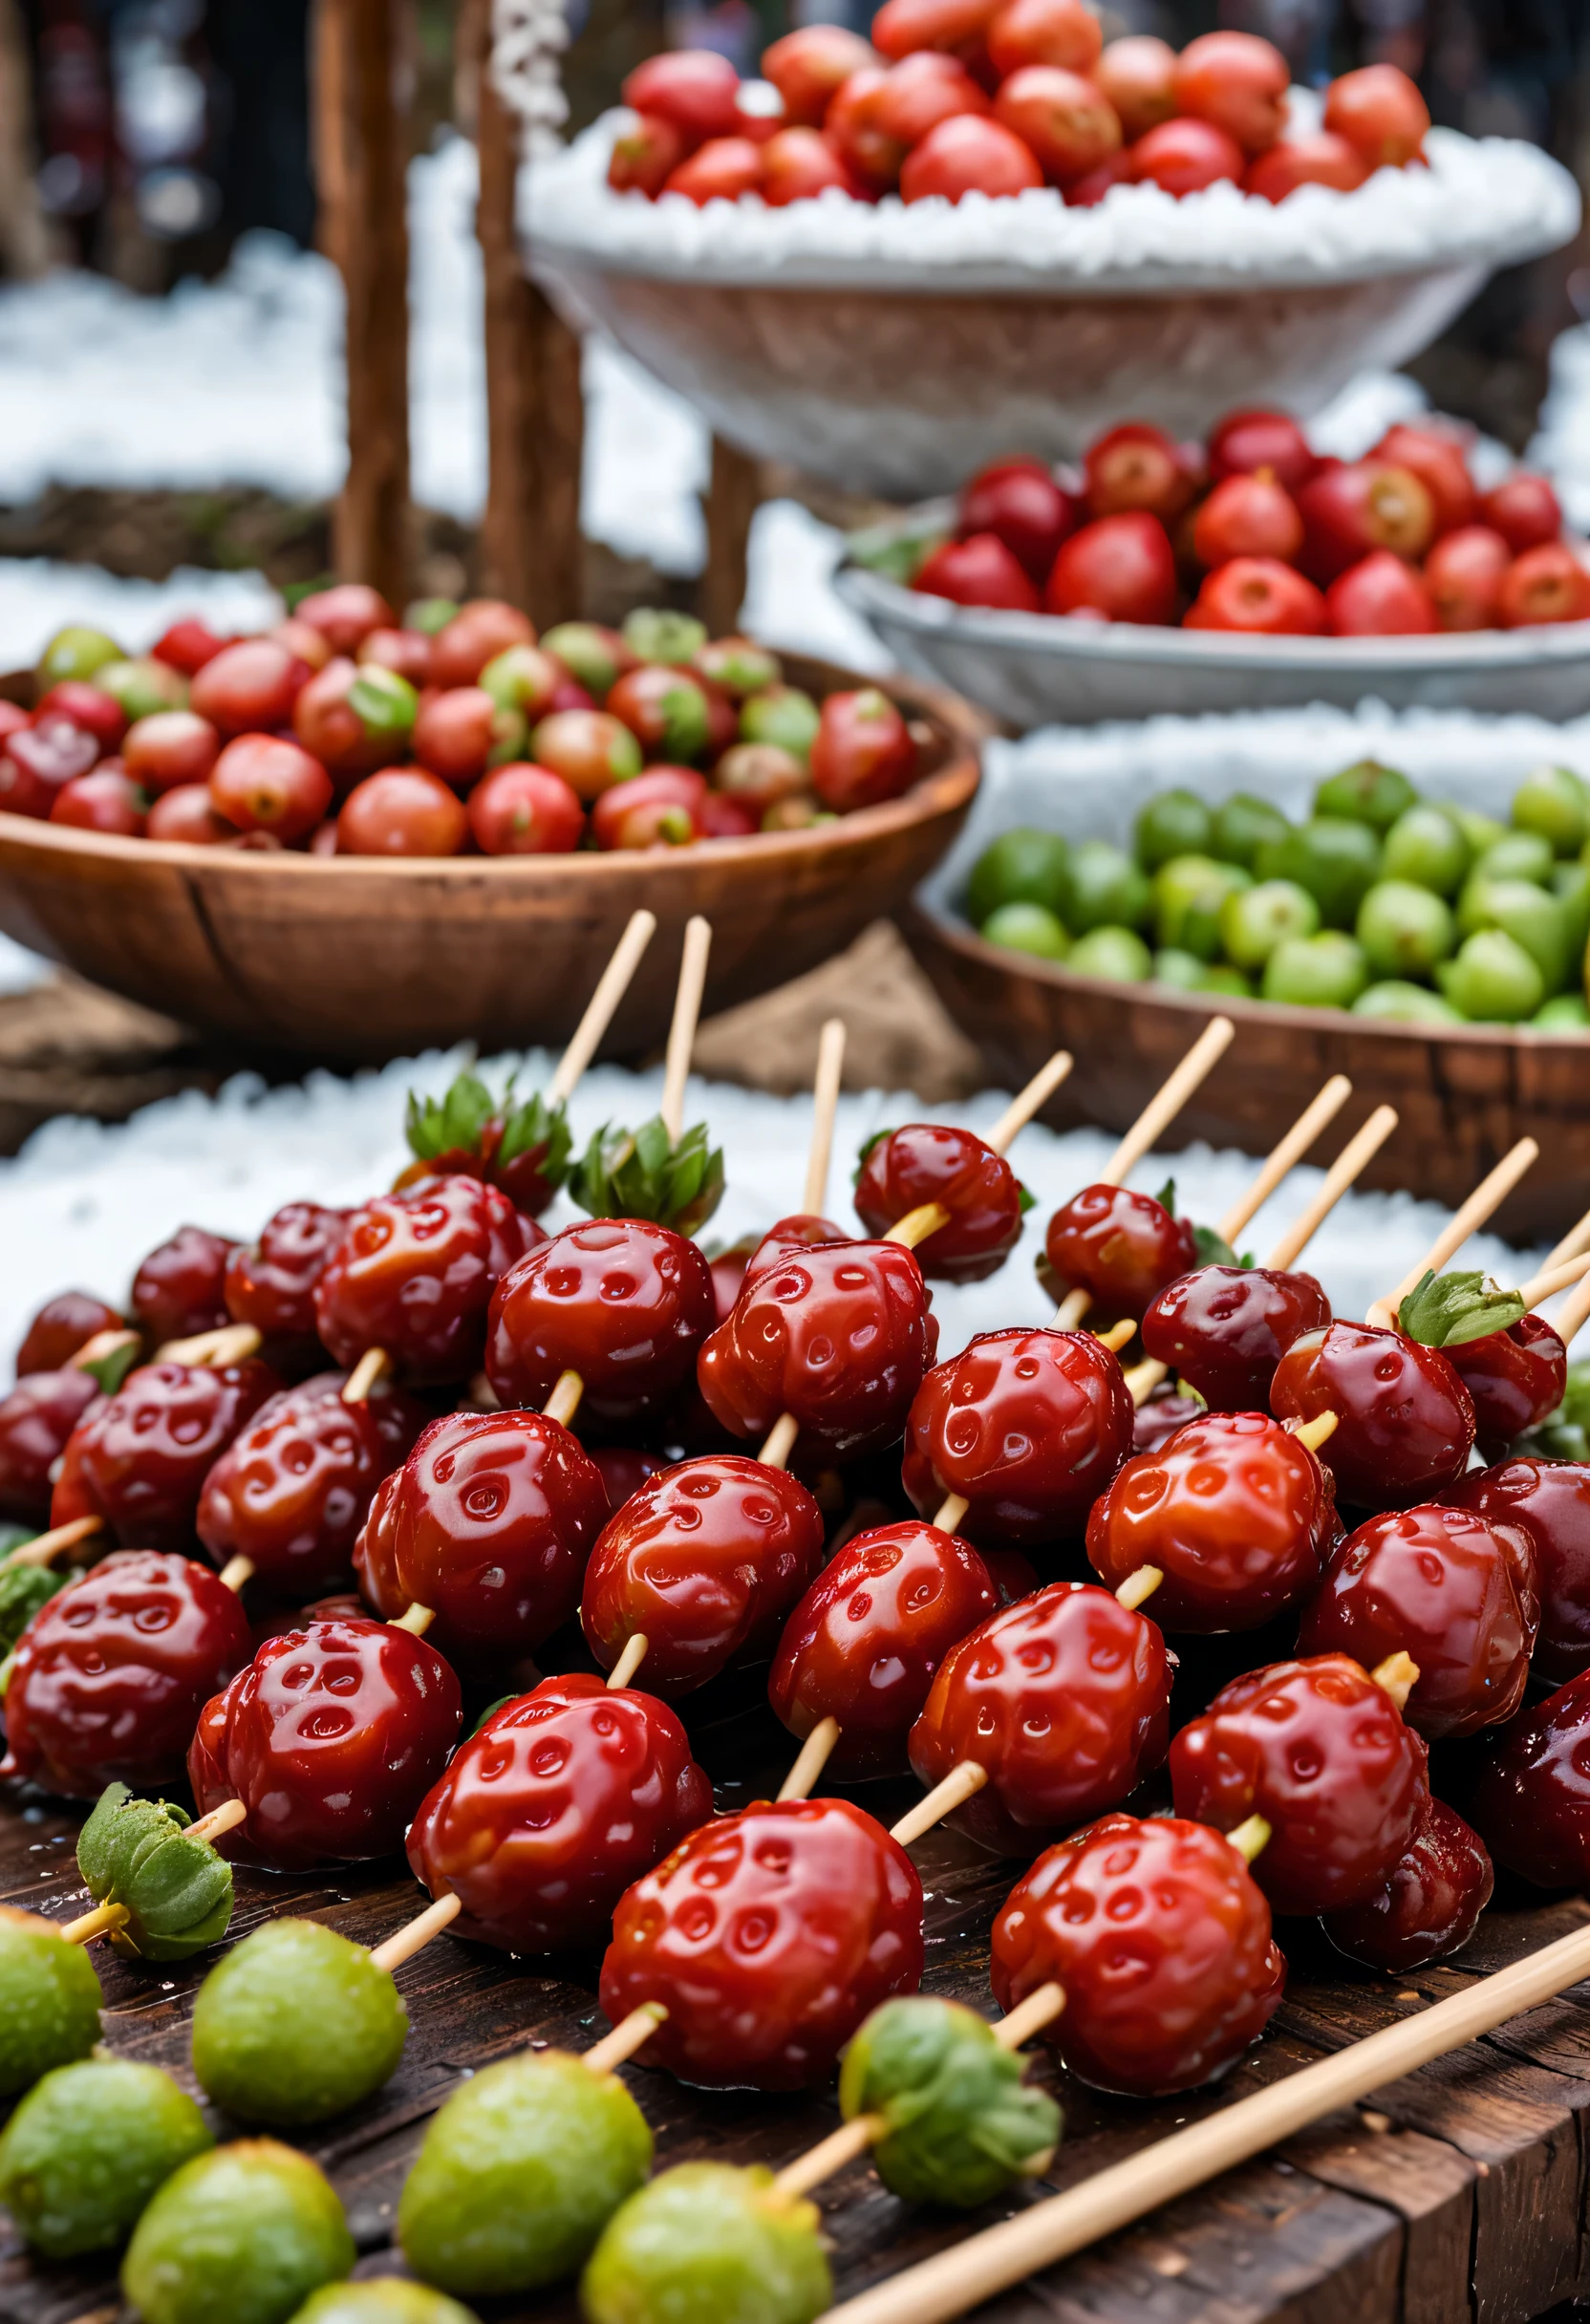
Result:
1242,825
1255,920
1189,894
294,2025
1394,1003
1494,979
707,2244
657,634
1335,858
1021,867
1554,802
1182,971
1104,888
243,2235
382,2299
1118,953
1563,1013
1028,927
1366,793
1426,847
782,714
76,653
963,2126
48,2000
1323,971
1405,930
1516,855
1173,822
87,2148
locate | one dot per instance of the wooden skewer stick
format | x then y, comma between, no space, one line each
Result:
1576,1241
1318,1430
1029,1101
1139,1587
228,1344
978,2268
950,1512
564,1401
1552,1278
417,1933
1397,1676
1573,1312
629,1662
415,1619
918,1225
1487,1197
1117,1335
630,2034
102,1922
102,1344
237,1571
681,1033
1355,1157
813,1757
825,1104
46,1547
371,1369
599,1010
956,1789
780,1441
219,1820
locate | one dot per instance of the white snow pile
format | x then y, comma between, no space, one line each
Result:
1484,203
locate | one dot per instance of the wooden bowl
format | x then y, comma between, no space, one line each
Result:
357,960
1464,1094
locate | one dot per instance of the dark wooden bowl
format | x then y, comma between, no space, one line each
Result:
357,960
1464,1095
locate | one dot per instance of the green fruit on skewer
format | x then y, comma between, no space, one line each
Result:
295,2025
48,2000
171,1889
244,2233
87,2148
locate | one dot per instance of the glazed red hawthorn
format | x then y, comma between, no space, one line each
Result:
1062,117
331,1737
1120,567
401,811
705,1560
1060,32
1380,596
1029,1427
807,68
61,1327
36,1418
839,1336
138,1459
415,1274
305,644
978,571
919,93
664,807
662,706
1455,1591
864,1643
1122,1247
1322,1753
1063,1701
801,1231
481,628
262,783
489,1522
720,170
1429,1907
170,747
800,163
768,1936
1183,156
37,761
1138,76
551,1808
1351,507
1245,442
862,753
1524,509
249,688
693,88
185,813
1405,1423
179,1287
1313,158
1532,1804
1436,459
1161,1940
1261,596
928,1162
1550,1502
1019,501
968,156
1136,468
104,800
329,726
1223,1330
407,652
903,26
524,811
271,1283
187,646
345,615
87,706
873,159
1513,1379
459,733
110,1674
1544,585
1247,516
621,1302
1086,193
1379,110
1238,83
1463,575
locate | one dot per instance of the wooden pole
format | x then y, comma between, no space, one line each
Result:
731,503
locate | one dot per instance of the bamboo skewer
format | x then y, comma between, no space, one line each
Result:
628,2036
1553,1278
46,1547
825,1104
1029,1101
416,1934
681,1033
1576,1241
228,1344
1355,1157
104,1919
602,1007
1486,1198
1573,1312
812,1758
630,1661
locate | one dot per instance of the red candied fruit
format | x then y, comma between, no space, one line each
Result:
1120,1247
415,1273
624,1303
139,1458
1223,1330
1405,1422
1429,1907
1120,568
927,1162
1550,1500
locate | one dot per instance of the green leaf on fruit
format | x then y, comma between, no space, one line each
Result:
178,1890
1214,1250
866,1147
1025,1197
1447,1310
454,1124
899,556
641,1173
111,1368
385,704
1167,1198
532,1126
23,1590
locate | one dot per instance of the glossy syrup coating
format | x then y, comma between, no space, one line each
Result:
61,1327
623,1470
139,1458
1223,1330
801,1230
1160,1937
1532,1805
1235,1512
112,1673
1165,1411
1438,1888
623,1302
839,1336
292,1489
1513,1379
1029,1427
414,1274
178,1289
707,1560
1063,1700
1405,1422
768,1936
1549,1499
36,1418
1322,1753
331,1737
553,1807
271,1283
929,1162
866,1641
1455,1591
1122,1247
489,1522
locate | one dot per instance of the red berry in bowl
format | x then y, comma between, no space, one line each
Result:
1261,596
524,811
261,782
807,68
460,732
187,646
644,155
800,163
1086,193
1316,157
1380,596
170,747
1184,156
400,811
660,808
1351,507
720,170
1436,458
95,712
1247,516
1245,442
406,652
902,26
1021,504
186,813
1463,574
921,90
250,687
968,156
1238,83
104,800
693,88
1060,32
980,570
1524,510
481,630
873,157
1379,110
1062,117
1138,76
862,753
345,615
37,761
1138,467
1120,567
1548,583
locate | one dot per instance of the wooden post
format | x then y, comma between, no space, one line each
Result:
24,244
361,146
731,503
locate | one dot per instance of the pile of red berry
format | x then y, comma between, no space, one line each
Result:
994,96
344,732
1257,533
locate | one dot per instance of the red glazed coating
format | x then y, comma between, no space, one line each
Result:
1062,1699
35,1420
331,1737
1122,1247
139,1458
769,1936
1532,1805
1454,1590
865,1641
271,1283
839,1336
1514,1378
293,1489
928,1162
1161,1939
1320,1751
415,1273
801,1231
624,1470
61,1327
707,1560
1165,1411
1237,1515
1224,1329
1029,1427
1438,1888
489,1523
1551,1500
110,1674
1405,1424
552,1808
621,1302
178,1289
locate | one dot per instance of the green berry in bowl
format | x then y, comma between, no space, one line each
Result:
1335,858
1328,971
1021,867
1533,916
1405,930
1190,893
1562,1013
1492,979
88,2147
1220,977
1516,855
1103,888
1428,847
1118,953
1028,927
1369,793
1242,825
1173,822
783,715
1182,971
1254,920
1391,1001
1555,804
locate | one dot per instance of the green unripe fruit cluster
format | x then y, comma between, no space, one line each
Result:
294,2025
962,2125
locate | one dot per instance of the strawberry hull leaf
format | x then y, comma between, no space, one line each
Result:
640,1174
